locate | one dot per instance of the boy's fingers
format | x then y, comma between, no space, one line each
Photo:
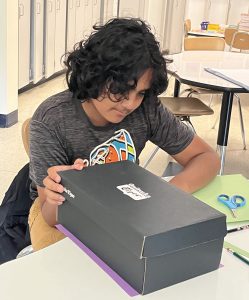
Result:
53,172
53,186
80,163
54,198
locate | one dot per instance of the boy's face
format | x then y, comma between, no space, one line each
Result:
106,111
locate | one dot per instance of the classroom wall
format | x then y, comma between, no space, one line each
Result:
8,56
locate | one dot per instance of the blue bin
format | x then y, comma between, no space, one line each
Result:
204,25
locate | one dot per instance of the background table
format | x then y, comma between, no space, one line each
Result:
205,33
188,68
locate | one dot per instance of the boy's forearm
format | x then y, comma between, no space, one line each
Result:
198,172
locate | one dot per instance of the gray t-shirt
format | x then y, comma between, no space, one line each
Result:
60,132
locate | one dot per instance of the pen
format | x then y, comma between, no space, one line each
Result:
238,256
238,229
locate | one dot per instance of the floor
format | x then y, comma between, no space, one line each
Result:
13,155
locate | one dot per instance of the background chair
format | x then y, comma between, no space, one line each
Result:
202,44
184,108
25,139
228,35
240,41
236,39
187,27
25,135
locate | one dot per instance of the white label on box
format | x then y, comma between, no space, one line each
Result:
133,192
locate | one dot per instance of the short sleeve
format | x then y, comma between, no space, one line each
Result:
167,131
46,150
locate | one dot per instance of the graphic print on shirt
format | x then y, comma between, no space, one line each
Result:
118,147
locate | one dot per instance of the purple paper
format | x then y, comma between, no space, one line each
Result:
119,280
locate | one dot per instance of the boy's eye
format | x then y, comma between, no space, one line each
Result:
142,94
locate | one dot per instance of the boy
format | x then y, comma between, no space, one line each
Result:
110,111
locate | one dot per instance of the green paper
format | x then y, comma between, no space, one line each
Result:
230,185
236,249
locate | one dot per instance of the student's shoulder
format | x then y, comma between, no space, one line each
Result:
152,106
54,107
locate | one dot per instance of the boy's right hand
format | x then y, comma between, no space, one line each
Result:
53,189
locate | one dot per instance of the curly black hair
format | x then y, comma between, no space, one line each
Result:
113,58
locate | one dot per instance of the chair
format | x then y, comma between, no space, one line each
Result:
25,135
187,27
25,139
186,107
204,43
240,41
236,39
228,35
183,108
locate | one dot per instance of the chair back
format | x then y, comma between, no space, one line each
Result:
204,43
25,135
240,40
187,26
228,34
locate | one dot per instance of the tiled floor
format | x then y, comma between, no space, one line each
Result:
13,155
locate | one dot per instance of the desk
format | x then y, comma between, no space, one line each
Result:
205,33
188,67
63,271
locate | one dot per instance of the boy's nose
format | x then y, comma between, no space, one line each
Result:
131,101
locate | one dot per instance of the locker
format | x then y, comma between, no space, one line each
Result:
217,11
71,15
60,34
37,44
55,35
131,8
49,37
154,14
196,12
110,10
96,11
81,16
236,7
24,43
83,19
174,26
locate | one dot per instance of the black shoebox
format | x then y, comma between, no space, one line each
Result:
151,233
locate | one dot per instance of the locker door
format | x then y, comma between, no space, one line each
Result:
96,11
37,33
24,43
60,34
83,25
155,16
87,17
79,20
217,11
196,12
71,18
110,10
237,7
174,26
49,37
131,8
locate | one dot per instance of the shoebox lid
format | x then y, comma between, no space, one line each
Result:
147,215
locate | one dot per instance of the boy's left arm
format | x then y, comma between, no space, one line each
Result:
201,164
